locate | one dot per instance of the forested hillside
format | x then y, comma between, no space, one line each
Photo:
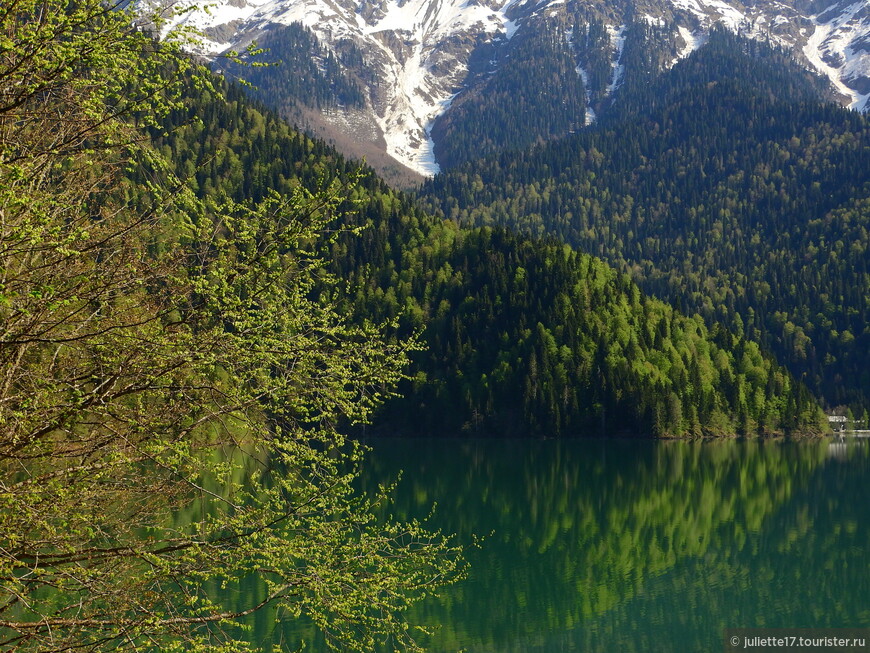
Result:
725,188
292,67
548,83
533,93
521,336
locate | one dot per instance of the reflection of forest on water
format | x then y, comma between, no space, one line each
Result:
639,545
631,545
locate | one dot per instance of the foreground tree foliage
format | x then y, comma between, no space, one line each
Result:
171,373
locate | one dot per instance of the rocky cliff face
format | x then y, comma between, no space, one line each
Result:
419,56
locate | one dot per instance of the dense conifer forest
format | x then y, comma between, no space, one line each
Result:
534,94
727,188
520,336
291,66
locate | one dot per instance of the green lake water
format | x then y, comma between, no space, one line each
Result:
634,545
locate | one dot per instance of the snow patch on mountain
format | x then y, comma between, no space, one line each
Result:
839,48
413,96
590,112
818,51
692,40
728,15
617,40
653,20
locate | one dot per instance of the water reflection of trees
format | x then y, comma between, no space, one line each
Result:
597,542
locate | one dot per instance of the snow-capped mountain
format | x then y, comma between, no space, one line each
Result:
422,53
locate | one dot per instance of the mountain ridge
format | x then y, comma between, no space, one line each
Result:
423,52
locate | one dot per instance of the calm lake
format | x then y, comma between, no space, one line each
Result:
634,545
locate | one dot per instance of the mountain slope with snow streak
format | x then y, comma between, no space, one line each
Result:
421,53
419,49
